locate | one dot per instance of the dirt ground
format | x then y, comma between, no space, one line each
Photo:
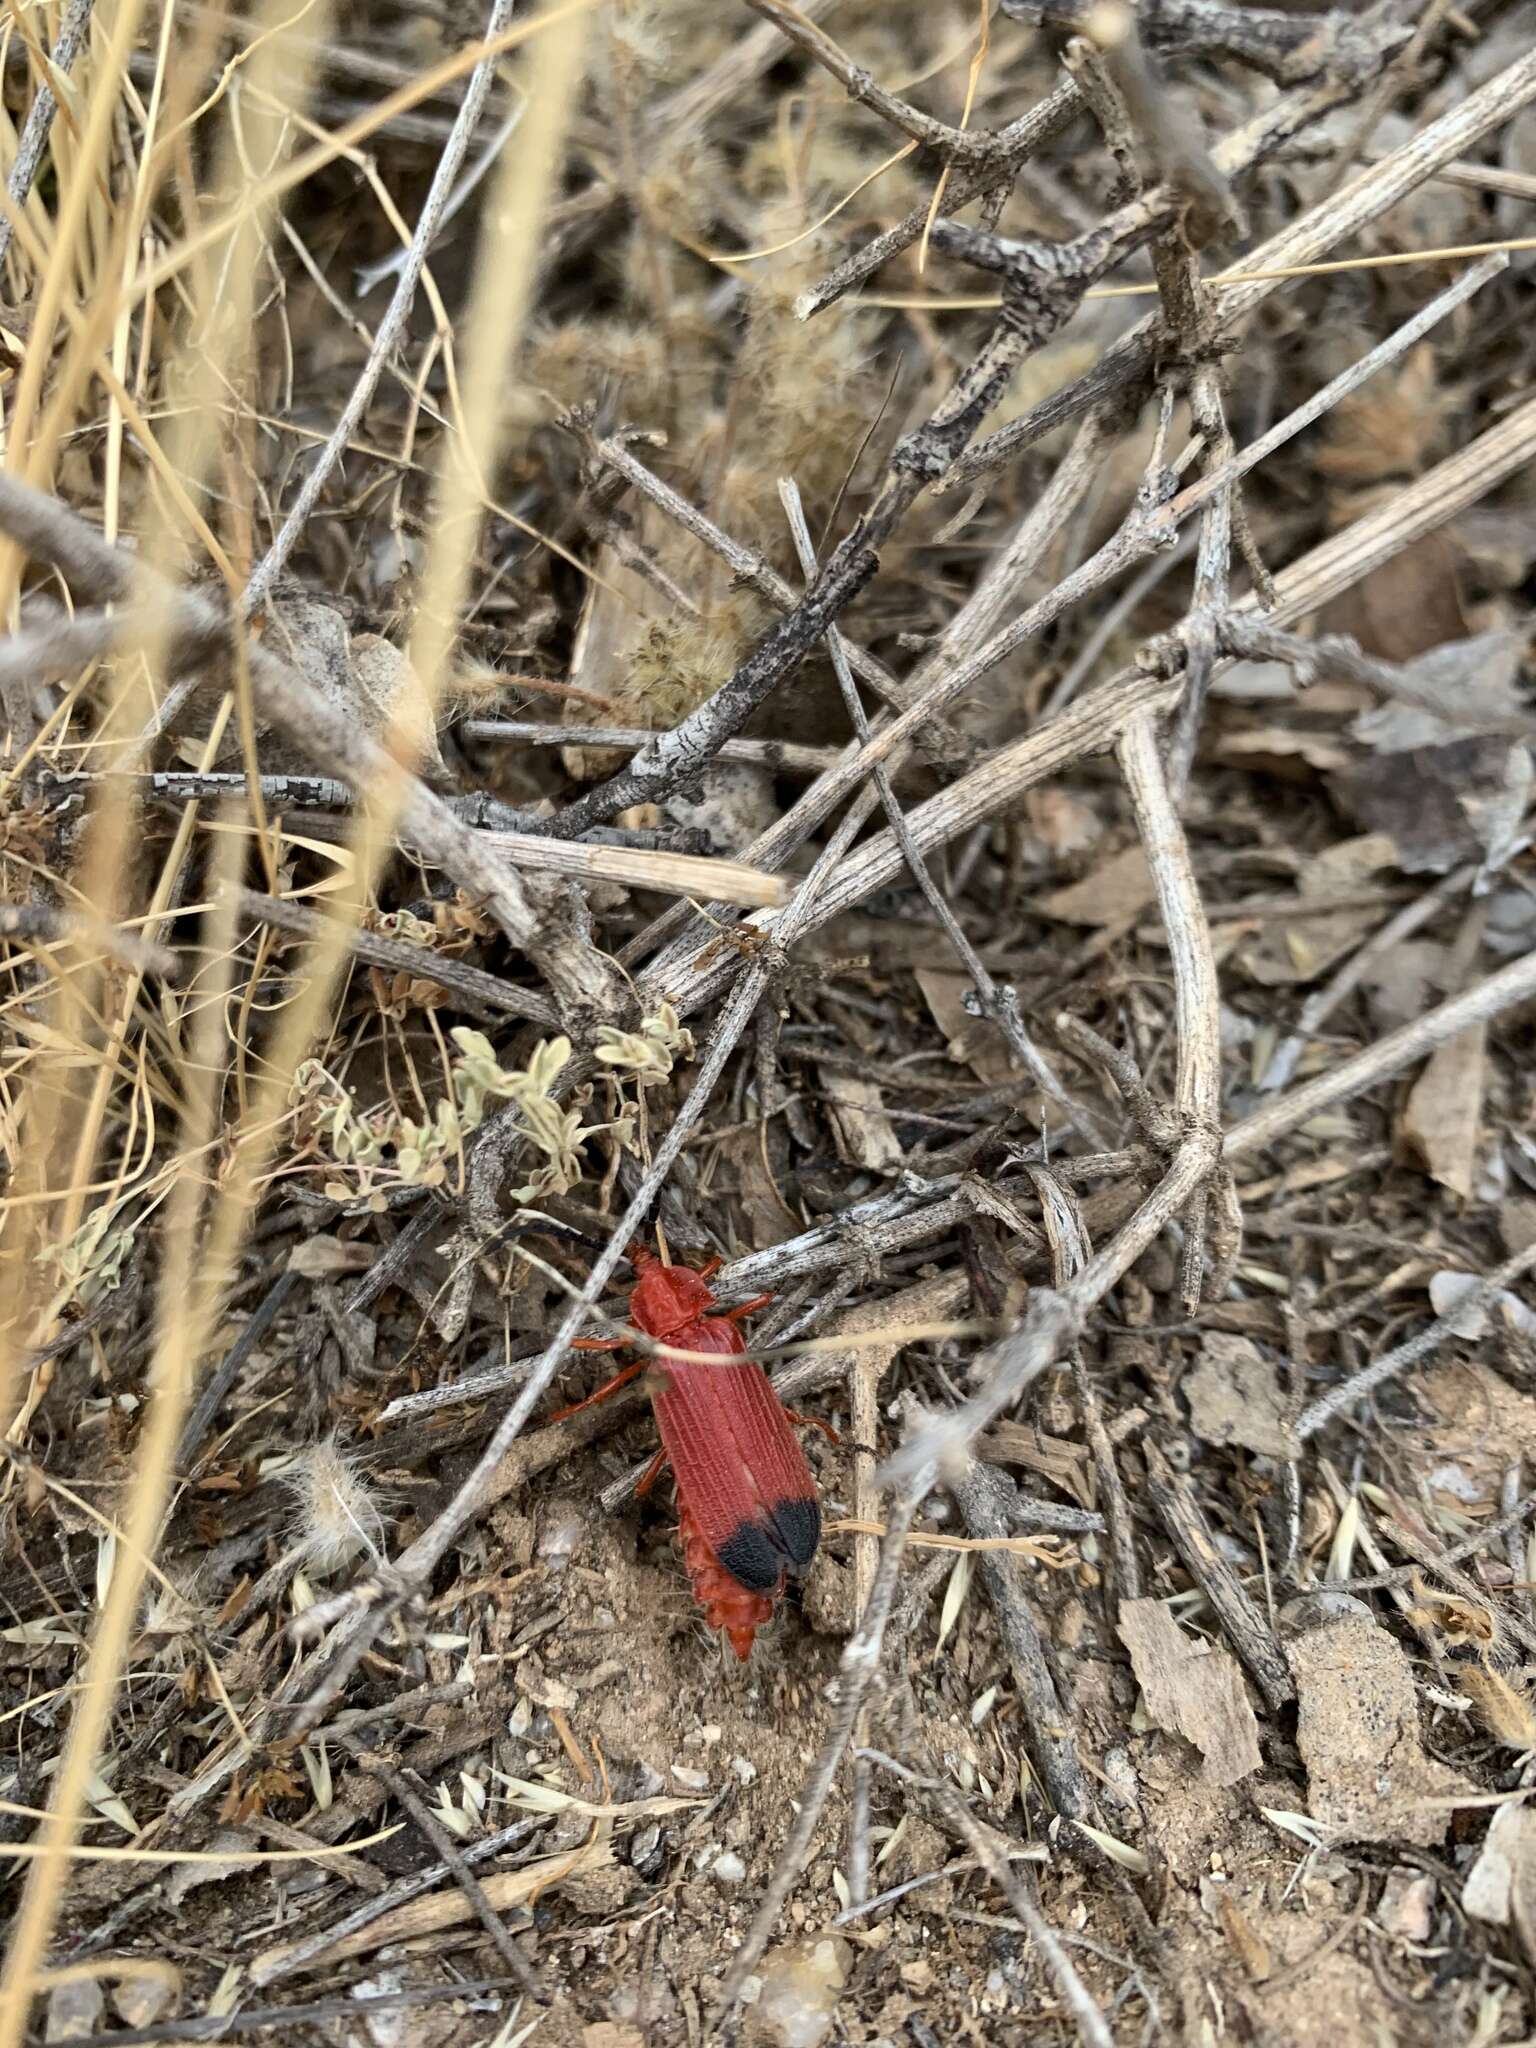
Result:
891,645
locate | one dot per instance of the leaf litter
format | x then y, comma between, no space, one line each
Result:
1220,1728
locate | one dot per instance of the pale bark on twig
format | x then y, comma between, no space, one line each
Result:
546,920
386,337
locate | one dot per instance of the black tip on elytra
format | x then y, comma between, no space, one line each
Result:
797,1524
758,1554
752,1557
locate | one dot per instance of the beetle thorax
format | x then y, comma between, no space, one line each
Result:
667,1299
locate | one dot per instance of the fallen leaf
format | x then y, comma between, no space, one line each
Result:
1389,427
1299,950
1449,693
1409,604
977,1041
1116,891
1441,1121
859,1122
1235,1397
1440,805
1192,1690
1498,816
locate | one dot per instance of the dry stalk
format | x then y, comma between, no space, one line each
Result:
34,136
1307,240
390,328
1512,985
196,631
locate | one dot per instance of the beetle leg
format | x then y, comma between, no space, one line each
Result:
710,1267
815,1422
651,1474
747,1308
598,1343
621,1379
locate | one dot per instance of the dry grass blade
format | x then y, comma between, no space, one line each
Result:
1080,1042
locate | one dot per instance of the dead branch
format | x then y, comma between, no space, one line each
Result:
982,1495
548,923
386,338
1306,240
1247,1631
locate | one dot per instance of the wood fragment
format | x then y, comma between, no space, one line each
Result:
1191,1690
1245,1628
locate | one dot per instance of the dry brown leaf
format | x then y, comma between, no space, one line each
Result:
1116,890
859,1122
1391,426
1191,1690
1441,1121
975,1040
1408,605
1304,948
1450,692
1442,805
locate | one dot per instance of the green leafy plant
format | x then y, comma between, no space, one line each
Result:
649,1053
381,1148
91,1263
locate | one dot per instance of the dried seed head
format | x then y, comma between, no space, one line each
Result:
674,664
337,1520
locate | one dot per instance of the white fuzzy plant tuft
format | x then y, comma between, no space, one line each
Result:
337,1520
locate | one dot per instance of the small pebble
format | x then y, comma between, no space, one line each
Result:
141,2000
74,2010
729,1868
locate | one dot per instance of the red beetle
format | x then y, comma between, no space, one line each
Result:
748,1511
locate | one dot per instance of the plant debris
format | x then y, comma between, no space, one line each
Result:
889,649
